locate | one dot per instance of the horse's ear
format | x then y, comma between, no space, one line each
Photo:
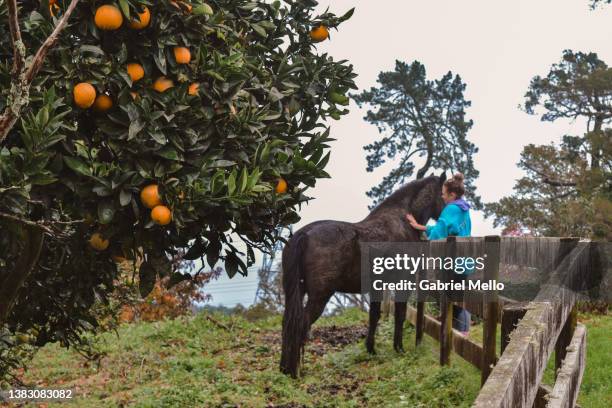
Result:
442,178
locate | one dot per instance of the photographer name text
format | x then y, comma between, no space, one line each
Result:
436,285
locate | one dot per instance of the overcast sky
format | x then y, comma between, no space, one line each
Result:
496,47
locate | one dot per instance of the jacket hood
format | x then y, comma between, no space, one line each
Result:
461,203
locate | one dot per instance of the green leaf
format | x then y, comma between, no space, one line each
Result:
91,48
275,95
215,75
135,128
242,181
195,252
265,153
42,179
212,252
260,188
168,153
125,197
323,161
159,137
217,182
231,265
253,178
223,163
77,165
259,30
347,15
160,60
231,183
125,8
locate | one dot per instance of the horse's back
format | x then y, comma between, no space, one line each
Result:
331,256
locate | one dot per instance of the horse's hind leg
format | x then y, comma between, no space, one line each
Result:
314,309
400,316
374,317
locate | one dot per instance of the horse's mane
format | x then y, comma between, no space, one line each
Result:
408,189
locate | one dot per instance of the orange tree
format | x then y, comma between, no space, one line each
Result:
152,127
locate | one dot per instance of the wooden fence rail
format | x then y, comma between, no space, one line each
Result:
530,331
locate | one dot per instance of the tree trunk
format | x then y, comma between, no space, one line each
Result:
12,283
423,170
595,149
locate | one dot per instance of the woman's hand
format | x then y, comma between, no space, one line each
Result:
413,223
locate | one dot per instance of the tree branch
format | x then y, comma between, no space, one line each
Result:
556,183
547,180
22,77
44,226
18,46
27,223
49,43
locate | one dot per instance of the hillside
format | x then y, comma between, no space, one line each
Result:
195,362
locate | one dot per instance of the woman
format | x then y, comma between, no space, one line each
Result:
454,220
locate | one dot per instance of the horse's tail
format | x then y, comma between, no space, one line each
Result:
294,325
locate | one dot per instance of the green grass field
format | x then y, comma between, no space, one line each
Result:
191,362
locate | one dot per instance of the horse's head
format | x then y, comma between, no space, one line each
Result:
422,198
428,201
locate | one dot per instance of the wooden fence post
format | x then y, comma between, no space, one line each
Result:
566,245
420,304
491,314
446,308
420,318
511,315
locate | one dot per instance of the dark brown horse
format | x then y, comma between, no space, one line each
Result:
324,257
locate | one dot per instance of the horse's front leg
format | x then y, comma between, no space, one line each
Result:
400,316
374,317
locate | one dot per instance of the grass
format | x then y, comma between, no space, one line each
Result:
191,362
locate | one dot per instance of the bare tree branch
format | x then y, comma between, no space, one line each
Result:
28,223
18,46
51,227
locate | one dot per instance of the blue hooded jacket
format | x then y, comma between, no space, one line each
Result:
454,220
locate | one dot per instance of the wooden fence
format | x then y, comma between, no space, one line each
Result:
530,331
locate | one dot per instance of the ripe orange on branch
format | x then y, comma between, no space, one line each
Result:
143,21
182,55
281,186
193,89
162,84
84,95
320,33
149,196
135,71
161,215
103,103
108,18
